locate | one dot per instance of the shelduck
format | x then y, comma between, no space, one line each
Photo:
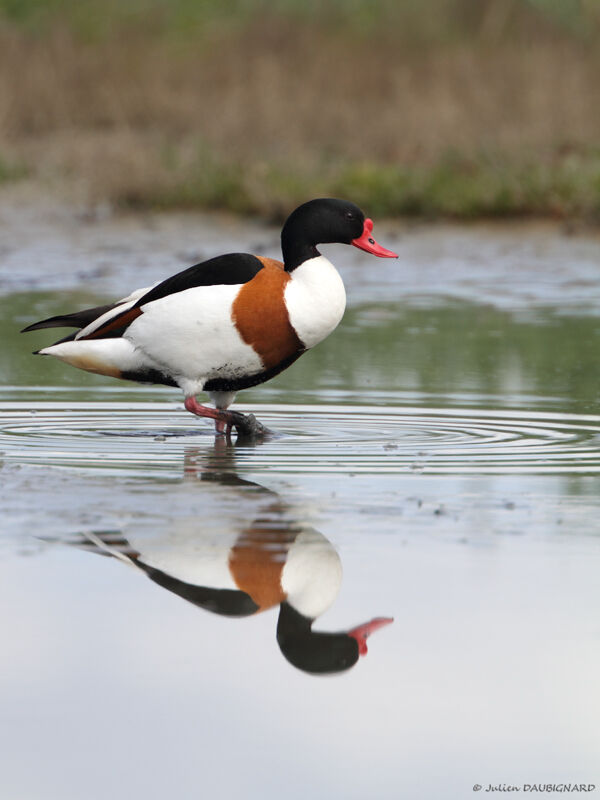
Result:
225,324
274,561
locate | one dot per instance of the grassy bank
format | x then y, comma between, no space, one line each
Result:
459,108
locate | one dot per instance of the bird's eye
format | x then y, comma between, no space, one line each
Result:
349,215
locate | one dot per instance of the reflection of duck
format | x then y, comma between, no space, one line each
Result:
229,323
274,561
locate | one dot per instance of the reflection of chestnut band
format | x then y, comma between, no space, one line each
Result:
273,561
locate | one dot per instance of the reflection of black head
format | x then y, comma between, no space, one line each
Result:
318,653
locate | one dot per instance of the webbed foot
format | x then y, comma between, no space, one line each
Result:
246,425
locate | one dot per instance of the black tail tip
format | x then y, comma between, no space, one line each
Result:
36,326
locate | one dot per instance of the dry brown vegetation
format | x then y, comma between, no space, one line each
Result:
258,116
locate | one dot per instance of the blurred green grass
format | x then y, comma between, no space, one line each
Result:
454,108
435,21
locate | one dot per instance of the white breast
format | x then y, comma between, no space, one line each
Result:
312,574
315,298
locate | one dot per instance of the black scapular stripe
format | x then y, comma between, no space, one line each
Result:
226,602
222,270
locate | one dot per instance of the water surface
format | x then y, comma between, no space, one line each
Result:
438,463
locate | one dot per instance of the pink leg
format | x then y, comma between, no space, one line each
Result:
220,417
226,420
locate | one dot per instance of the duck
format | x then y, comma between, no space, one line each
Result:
274,561
225,324
260,557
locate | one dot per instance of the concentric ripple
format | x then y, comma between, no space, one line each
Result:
150,437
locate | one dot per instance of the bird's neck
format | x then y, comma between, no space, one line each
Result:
295,246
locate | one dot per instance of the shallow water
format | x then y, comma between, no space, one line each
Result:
442,447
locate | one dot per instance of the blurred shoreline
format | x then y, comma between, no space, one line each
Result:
458,110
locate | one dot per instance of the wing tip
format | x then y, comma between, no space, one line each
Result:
52,322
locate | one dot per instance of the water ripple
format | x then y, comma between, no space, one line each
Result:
151,437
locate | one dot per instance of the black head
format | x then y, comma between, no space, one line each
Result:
318,652
323,221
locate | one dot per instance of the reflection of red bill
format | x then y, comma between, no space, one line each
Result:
366,242
362,632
